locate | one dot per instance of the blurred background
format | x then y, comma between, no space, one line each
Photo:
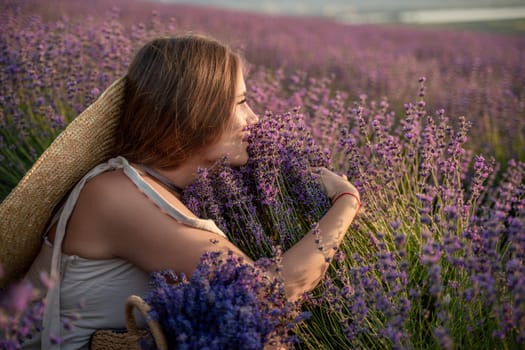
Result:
491,15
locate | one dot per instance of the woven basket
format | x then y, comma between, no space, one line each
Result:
107,339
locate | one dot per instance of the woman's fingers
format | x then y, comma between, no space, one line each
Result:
333,183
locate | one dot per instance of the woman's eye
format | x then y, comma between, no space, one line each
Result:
241,102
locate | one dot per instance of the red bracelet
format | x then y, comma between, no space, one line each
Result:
348,194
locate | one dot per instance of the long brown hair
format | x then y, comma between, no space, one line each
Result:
179,96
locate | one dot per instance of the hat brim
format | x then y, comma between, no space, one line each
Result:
87,141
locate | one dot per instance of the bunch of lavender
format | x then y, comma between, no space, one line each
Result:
275,198
224,304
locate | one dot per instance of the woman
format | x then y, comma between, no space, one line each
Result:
184,107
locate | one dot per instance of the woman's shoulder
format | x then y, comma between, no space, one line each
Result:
105,205
109,194
107,183
114,200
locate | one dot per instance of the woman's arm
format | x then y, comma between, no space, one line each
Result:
304,264
133,228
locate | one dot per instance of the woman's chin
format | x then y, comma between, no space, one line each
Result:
239,159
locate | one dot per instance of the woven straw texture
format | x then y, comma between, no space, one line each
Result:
104,339
86,142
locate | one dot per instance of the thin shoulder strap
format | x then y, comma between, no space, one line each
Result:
161,202
51,319
161,178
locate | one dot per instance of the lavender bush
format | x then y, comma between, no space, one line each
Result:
435,259
53,66
224,304
478,75
429,264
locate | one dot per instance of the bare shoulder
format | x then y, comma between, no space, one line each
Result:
112,199
107,195
107,183
103,204
115,219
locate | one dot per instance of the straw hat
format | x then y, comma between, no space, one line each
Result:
86,142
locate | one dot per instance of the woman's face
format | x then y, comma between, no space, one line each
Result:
232,143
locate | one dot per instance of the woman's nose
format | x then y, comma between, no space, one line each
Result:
252,117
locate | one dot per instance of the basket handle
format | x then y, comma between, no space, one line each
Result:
134,301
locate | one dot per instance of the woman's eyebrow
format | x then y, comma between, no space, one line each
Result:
242,94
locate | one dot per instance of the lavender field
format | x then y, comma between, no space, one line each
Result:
429,126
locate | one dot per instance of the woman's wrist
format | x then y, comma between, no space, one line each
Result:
349,195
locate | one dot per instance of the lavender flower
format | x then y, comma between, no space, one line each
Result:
224,304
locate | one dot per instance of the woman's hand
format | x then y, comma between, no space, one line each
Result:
334,184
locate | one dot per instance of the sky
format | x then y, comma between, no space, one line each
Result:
369,11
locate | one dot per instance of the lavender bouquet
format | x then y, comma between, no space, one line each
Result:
274,199
224,304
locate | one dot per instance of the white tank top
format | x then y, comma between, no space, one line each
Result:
102,286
